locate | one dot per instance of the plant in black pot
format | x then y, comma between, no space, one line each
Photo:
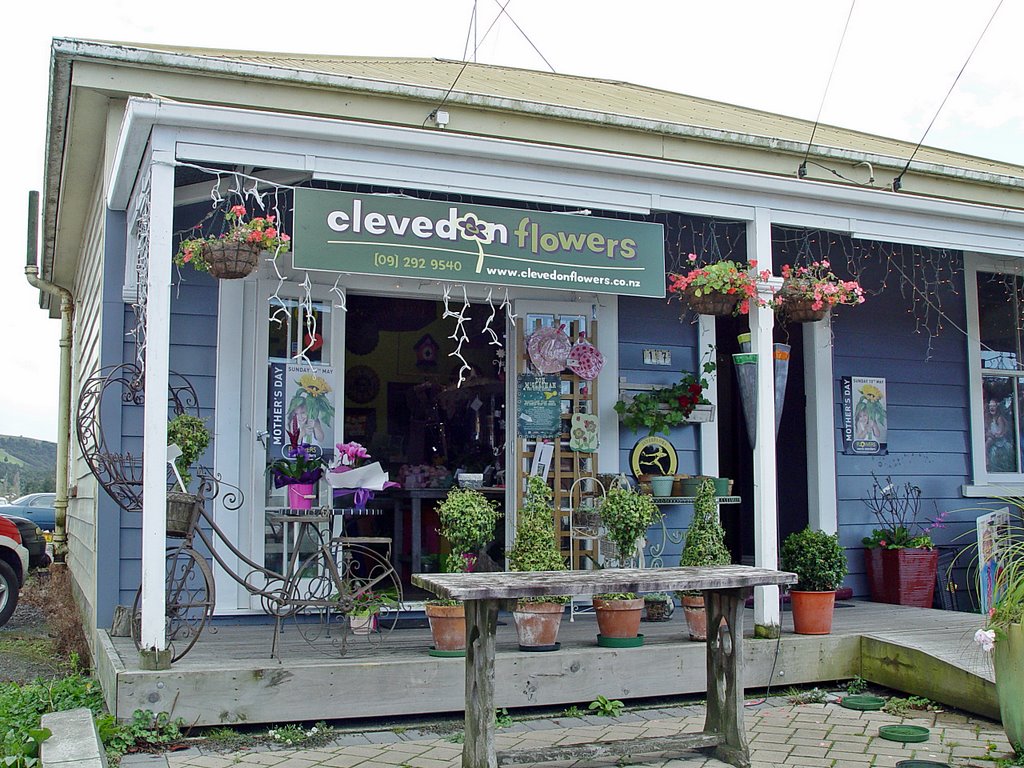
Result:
625,515
190,435
536,549
704,546
819,562
467,519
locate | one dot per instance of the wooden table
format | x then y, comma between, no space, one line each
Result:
725,589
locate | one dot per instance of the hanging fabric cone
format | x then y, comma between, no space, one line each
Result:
746,373
780,353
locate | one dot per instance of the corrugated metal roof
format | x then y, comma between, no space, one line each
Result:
606,97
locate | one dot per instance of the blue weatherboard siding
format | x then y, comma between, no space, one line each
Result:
656,324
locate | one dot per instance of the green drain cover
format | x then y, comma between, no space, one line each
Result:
908,734
862,701
920,764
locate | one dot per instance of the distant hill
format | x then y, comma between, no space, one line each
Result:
26,465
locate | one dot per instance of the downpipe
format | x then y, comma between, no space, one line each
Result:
67,308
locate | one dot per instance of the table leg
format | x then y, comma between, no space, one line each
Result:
481,624
725,674
398,524
416,534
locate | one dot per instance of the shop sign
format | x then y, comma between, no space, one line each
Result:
459,242
865,416
540,405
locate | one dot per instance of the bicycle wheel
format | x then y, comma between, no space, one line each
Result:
189,594
336,584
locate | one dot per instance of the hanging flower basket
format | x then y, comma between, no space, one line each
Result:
801,310
711,303
230,259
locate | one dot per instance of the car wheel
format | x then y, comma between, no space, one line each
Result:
8,592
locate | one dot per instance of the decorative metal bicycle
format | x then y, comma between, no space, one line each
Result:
326,580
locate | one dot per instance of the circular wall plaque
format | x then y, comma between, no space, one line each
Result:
361,383
653,455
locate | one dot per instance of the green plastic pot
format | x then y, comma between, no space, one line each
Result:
1009,668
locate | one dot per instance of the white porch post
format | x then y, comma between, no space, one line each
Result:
821,428
154,466
762,322
707,336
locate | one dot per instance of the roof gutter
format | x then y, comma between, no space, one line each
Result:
56,130
213,65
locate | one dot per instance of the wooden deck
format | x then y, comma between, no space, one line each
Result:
229,676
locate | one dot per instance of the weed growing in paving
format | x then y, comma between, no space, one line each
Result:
897,705
813,696
606,707
856,686
502,719
143,732
573,711
457,738
293,735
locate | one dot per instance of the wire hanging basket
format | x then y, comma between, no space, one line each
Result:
711,303
231,259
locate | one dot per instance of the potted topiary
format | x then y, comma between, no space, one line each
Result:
536,549
704,546
625,515
190,435
819,562
467,519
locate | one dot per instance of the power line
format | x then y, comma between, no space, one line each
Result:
802,170
535,48
897,183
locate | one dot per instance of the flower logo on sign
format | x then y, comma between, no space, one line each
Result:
479,231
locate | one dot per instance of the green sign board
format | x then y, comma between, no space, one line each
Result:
458,242
540,405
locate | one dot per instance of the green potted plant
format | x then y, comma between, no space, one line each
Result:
366,607
819,562
625,516
1003,633
190,435
721,288
704,546
536,549
466,520
658,410
235,253
899,555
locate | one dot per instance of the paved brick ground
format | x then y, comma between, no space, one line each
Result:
780,734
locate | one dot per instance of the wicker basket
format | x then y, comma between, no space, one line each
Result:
182,513
721,304
798,310
658,610
230,259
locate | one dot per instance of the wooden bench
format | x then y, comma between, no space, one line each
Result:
725,589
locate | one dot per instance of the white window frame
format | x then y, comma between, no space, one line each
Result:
985,484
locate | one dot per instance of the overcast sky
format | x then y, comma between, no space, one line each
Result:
898,61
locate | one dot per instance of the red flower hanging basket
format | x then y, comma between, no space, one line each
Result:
711,303
231,259
800,310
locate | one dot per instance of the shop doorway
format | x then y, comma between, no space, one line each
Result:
736,453
404,402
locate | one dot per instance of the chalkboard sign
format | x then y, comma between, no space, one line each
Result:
540,405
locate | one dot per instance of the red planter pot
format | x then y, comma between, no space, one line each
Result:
812,612
902,576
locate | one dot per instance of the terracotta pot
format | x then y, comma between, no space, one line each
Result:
537,624
448,626
1009,668
812,612
696,616
902,576
618,618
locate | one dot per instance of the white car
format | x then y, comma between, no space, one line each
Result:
13,567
